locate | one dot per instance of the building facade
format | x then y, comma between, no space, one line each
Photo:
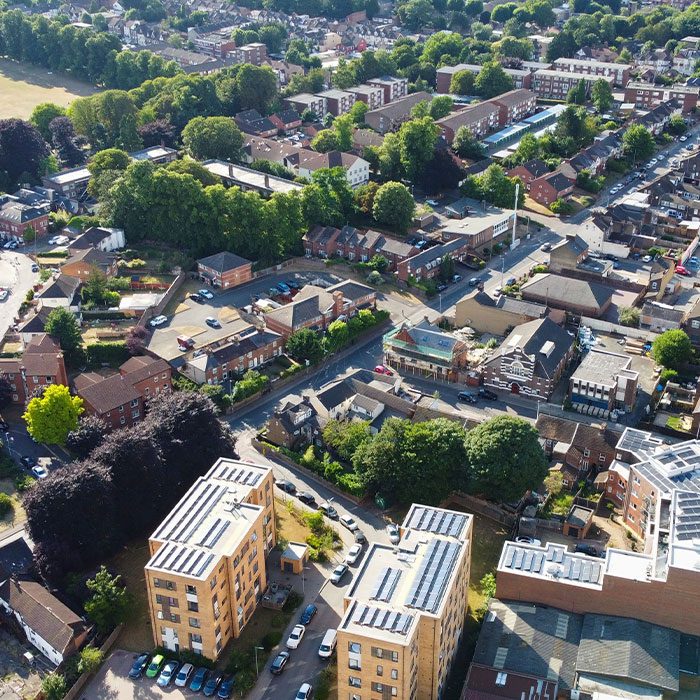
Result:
225,269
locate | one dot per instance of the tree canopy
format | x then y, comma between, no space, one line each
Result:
672,349
213,137
62,325
637,143
52,416
394,206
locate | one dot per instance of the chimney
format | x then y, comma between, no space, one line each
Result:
230,170
267,181
337,303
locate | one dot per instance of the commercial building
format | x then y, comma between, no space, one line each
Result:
404,611
568,294
604,380
225,269
483,227
620,72
207,571
555,84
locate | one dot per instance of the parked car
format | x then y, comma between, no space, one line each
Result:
205,293
139,666
197,297
693,261
226,688
183,675
286,486
354,553
305,692
441,287
456,278
432,202
589,549
283,288
295,637
381,369
293,285
199,679
306,497
167,674
546,247
40,472
27,462
212,322
308,614
474,281
528,540
158,321
4,294
467,397
338,573
154,667
360,537
328,510
680,270
488,394
212,684
393,532
35,267
349,522
279,662
647,259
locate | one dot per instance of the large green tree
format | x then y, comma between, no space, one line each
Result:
462,83
602,95
416,140
303,345
492,80
672,349
43,114
345,437
109,603
504,458
213,137
637,143
466,145
394,206
52,416
62,325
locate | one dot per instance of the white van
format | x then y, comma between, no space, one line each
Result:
327,644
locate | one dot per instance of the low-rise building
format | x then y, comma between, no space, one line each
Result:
482,228
225,269
498,316
568,254
250,180
292,425
105,239
660,317
356,168
389,117
604,380
531,360
529,171
64,291
71,183
394,88
303,101
514,105
251,121
207,569
404,610
371,95
556,84
551,186
255,53
620,72
648,95
16,217
286,121
426,350
480,119
338,102
569,294
83,262
522,79
426,264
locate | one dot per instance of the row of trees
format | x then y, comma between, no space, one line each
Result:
83,513
500,458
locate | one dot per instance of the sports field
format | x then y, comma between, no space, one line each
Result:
23,87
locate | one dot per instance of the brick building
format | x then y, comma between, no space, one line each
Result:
551,186
255,53
207,574
426,264
556,84
303,101
521,78
371,95
515,105
568,254
225,269
604,380
393,88
16,217
41,365
647,95
529,171
84,262
620,72
480,119
575,296
389,117
338,102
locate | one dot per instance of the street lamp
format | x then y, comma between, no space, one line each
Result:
255,649
303,580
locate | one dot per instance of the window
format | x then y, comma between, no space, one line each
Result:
196,638
377,687
212,583
354,682
394,674
192,607
354,664
194,622
156,582
501,679
355,647
192,590
586,453
380,670
134,403
174,617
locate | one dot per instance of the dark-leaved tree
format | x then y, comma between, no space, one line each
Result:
22,148
87,436
64,140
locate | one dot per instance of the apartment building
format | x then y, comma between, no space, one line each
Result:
338,102
646,95
304,101
620,72
393,88
225,269
480,119
255,53
405,610
207,573
521,78
555,84
426,264
604,380
389,117
371,95
71,183
514,106
16,217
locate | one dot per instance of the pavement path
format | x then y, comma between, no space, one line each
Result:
17,277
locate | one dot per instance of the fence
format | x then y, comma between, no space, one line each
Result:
607,327
152,311
553,525
476,505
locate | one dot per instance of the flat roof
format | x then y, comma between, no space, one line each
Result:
684,540
66,176
210,521
601,367
505,133
250,177
478,220
673,467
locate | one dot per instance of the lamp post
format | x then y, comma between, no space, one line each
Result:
255,649
303,580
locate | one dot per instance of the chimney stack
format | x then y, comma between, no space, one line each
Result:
338,300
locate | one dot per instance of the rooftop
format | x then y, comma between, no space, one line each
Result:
478,220
599,367
250,178
210,520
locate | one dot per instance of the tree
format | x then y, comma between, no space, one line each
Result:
50,418
343,128
109,159
495,186
62,325
22,149
346,436
440,106
337,336
54,686
672,349
416,144
505,458
65,141
357,112
577,94
157,132
637,143
213,137
602,95
303,345
466,145
189,166
87,436
91,659
394,206
442,172
325,141
43,114
492,80
677,125
462,83
447,268
128,138
554,483
629,316
364,197
110,602
6,391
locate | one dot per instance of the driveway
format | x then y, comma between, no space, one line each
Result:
16,276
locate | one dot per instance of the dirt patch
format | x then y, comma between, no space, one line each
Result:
288,526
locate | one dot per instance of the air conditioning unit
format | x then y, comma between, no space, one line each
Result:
160,614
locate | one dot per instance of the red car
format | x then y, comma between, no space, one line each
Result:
682,271
381,369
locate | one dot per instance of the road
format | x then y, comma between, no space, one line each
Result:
17,277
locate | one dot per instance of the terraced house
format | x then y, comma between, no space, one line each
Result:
207,570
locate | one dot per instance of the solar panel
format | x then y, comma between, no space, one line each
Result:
380,618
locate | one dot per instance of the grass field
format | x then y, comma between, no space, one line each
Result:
23,87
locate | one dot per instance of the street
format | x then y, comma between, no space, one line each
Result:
17,277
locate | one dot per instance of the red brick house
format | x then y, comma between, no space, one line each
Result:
549,188
426,264
120,399
15,217
514,106
286,121
86,261
225,269
529,171
41,365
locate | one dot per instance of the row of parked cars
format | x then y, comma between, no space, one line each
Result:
165,671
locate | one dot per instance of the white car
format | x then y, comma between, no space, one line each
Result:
40,472
158,321
183,675
683,138
61,240
394,534
338,573
528,540
296,636
305,692
3,294
349,522
205,293
52,240
354,553
647,259
431,202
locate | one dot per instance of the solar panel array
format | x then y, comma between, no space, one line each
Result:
238,473
184,521
385,584
687,525
437,521
525,560
181,559
433,574
381,619
564,566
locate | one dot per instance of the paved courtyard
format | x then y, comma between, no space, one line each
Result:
18,680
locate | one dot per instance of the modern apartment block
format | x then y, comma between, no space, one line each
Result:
371,95
620,72
304,101
255,53
646,95
405,610
207,571
520,78
555,84
394,88
338,102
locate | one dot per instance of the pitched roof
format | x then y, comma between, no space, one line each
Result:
107,394
535,167
42,612
297,313
63,287
556,429
564,290
92,237
136,369
224,261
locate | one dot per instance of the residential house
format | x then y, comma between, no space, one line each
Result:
573,295
389,117
120,399
303,101
105,239
284,70
426,264
604,380
61,291
691,323
660,317
371,95
16,217
647,95
320,241
232,357
83,262
620,72
568,254
338,102
49,625
425,350
252,122
394,88
480,119
293,424
531,360
362,138
498,316
41,365
514,106
356,168
225,269
552,186
286,121
556,84
529,171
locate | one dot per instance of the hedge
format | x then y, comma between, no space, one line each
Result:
106,353
54,254
104,315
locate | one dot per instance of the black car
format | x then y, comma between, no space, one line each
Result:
279,662
286,486
212,684
583,548
139,666
308,614
306,497
27,462
197,297
488,394
467,397
226,688
441,287
360,537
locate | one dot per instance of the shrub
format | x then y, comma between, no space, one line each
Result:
375,278
24,482
8,468
6,505
561,206
102,353
271,639
251,383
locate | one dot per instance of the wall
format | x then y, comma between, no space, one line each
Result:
598,324
477,505
152,311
